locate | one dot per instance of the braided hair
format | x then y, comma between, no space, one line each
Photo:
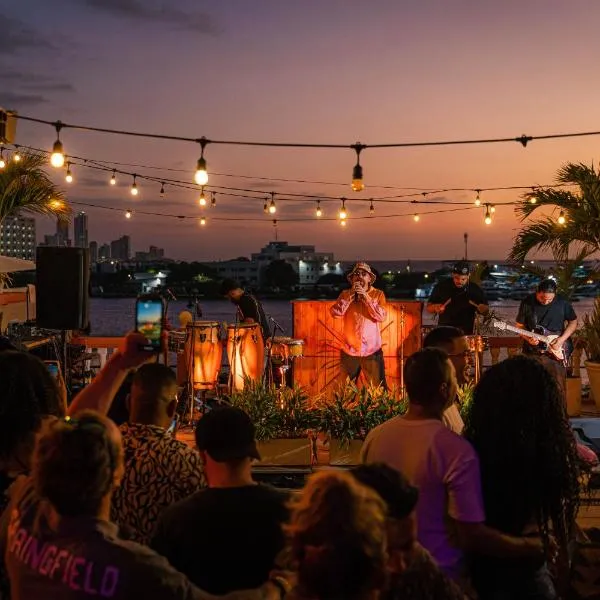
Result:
529,465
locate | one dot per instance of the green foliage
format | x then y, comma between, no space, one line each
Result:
465,400
354,411
280,273
589,333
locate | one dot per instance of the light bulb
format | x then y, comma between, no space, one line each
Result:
416,218
134,188
113,179
357,178
272,207
69,175
58,158
477,199
492,209
202,221
372,208
343,222
162,190
128,214
201,176
561,218
16,156
319,211
488,220
56,204
2,161
266,207
213,200
202,199
533,200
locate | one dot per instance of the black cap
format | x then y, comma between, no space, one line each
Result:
547,285
226,433
461,267
227,285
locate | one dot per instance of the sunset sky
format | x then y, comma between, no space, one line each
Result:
316,71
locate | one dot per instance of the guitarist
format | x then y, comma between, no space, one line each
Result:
547,312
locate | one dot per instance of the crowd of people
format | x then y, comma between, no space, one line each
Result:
438,509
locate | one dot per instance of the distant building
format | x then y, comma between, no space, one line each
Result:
153,254
93,252
121,249
80,230
62,233
104,252
241,269
17,237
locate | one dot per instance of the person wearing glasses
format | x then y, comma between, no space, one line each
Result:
363,309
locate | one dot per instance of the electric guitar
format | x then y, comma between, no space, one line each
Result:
544,338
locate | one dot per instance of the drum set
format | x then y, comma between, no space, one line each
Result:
200,347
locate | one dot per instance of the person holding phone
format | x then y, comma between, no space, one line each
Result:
149,320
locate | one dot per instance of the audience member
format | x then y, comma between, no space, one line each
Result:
337,535
234,525
413,572
529,471
443,466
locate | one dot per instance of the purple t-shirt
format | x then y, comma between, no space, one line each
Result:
445,468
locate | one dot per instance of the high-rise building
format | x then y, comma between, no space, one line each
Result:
93,252
80,230
62,232
120,249
104,252
17,237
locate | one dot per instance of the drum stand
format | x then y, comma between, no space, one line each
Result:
268,370
233,361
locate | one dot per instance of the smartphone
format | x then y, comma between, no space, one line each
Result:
149,315
53,368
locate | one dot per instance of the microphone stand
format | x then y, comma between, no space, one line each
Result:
269,369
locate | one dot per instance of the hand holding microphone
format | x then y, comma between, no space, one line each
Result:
358,291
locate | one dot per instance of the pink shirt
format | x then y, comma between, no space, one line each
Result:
445,468
361,321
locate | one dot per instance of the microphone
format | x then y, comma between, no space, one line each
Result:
277,325
171,294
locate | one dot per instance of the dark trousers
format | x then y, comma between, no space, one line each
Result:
371,366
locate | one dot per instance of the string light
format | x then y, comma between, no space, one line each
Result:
57,159
357,172
416,218
266,206
532,200
201,176
319,211
202,221
477,199
488,217
113,179
162,190
128,214
343,214
69,175
16,156
56,204
134,188
272,207
2,161
561,218
492,208
213,199
343,222
372,208
202,199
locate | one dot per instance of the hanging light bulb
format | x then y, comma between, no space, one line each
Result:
113,179
134,188
357,172
202,199
319,211
162,190
16,156
372,209
201,176
2,161
57,159
532,200
416,218
128,214
213,199
492,208
343,222
202,221
266,206
272,207
488,217
56,204
477,199
561,218
69,175
343,214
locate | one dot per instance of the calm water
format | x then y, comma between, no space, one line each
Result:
114,317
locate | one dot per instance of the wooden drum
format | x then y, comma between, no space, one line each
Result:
246,353
205,338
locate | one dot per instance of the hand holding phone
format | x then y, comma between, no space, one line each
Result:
149,319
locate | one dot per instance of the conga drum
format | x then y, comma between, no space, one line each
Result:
246,353
204,337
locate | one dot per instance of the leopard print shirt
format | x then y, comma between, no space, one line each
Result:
159,471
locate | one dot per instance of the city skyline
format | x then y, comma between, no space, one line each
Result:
338,72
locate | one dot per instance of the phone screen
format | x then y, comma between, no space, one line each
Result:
148,320
52,369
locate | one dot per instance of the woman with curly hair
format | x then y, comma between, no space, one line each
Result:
337,536
529,471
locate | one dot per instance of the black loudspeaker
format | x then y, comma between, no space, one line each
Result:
62,288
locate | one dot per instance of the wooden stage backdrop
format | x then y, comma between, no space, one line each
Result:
319,369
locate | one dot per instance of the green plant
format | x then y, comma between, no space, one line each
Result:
465,399
589,333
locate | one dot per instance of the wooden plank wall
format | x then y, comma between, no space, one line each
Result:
318,370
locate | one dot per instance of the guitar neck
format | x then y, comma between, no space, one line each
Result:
531,334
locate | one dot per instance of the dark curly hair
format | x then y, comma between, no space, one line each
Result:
74,463
29,393
529,465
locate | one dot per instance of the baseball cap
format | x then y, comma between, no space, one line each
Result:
227,285
226,433
461,267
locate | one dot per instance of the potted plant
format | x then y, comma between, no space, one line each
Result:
589,334
282,420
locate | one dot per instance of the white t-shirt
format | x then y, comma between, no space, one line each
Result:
444,467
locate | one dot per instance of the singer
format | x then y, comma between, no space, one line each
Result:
363,308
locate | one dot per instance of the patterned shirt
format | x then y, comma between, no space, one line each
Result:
159,471
361,321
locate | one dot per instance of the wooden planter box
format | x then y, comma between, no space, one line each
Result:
341,453
293,452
